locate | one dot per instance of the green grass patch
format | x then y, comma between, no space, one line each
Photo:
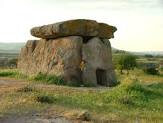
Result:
45,98
42,78
58,80
12,73
49,79
126,100
8,74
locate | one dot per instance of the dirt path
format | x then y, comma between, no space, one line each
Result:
7,85
28,119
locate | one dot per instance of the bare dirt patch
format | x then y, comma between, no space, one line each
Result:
7,84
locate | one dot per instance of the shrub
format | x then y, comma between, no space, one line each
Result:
148,56
74,84
13,74
7,73
40,77
151,68
152,71
45,98
161,68
50,79
89,84
126,62
27,88
13,63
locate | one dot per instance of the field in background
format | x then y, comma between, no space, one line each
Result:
8,60
9,53
11,47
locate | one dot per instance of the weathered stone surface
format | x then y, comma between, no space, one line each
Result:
61,57
77,50
69,57
106,31
79,27
98,68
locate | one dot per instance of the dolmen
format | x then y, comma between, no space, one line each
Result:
79,51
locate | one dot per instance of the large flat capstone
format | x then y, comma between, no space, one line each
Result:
79,27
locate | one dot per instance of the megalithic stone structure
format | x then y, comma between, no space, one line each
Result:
77,50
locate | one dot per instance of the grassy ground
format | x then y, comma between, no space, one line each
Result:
139,98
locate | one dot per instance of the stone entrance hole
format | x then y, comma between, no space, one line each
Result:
101,77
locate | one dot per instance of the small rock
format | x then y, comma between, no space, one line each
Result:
77,115
84,116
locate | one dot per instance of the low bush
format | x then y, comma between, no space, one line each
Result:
45,98
27,88
7,74
49,79
12,74
151,68
126,62
152,71
161,68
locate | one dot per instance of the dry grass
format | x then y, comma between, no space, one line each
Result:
139,75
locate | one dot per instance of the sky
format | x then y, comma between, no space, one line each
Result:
139,22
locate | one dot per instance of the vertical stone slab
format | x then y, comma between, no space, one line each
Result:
89,75
25,61
97,56
111,77
61,57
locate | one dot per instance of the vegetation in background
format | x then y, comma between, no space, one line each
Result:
148,56
8,62
161,69
13,62
151,68
11,47
142,62
126,62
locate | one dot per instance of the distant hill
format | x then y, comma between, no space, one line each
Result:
154,53
11,47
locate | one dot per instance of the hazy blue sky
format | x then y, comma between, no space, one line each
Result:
139,22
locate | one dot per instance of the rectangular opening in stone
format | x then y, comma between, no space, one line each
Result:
101,77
